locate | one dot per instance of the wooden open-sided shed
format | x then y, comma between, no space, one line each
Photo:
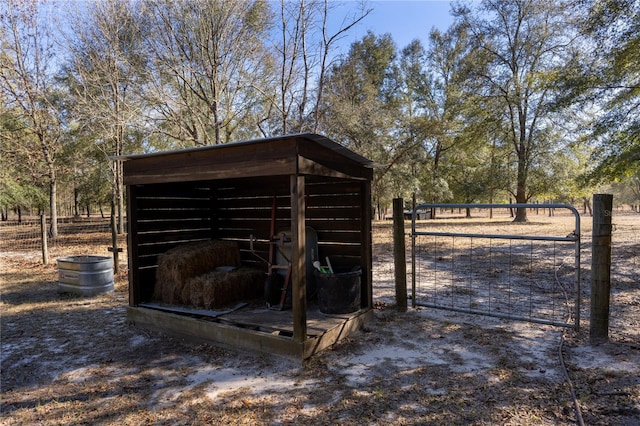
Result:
228,192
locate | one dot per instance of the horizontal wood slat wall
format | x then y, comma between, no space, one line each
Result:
165,216
243,211
172,214
334,210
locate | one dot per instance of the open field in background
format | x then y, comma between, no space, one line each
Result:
541,261
77,236
75,360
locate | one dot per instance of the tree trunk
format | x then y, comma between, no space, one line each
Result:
120,196
53,195
521,189
587,207
491,202
521,215
117,196
75,202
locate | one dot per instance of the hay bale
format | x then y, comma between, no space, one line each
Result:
196,293
219,288
182,263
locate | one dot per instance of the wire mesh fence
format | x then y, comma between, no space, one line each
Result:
383,270
625,253
76,236
533,281
499,268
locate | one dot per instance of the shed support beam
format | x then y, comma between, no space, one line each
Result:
367,243
298,256
135,284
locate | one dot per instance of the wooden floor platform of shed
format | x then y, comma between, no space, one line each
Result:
255,329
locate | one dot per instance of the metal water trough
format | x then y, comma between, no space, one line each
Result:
85,275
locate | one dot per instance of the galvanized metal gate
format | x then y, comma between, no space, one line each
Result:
524,277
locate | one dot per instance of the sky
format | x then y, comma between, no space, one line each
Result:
405,20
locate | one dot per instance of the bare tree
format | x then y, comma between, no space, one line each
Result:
328,41
106,74
303,52
294,17
26,81
208,58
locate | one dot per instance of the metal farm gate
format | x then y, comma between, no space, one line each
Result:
516,276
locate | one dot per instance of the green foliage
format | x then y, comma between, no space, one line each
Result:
20,170
609,83
363,108
617,156
495,105
15,194
521,47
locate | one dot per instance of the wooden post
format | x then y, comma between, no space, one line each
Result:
43,233
399,254
367,241
114,240
601,268
298,258
133,246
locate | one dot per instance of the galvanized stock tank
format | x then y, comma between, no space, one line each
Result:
85,275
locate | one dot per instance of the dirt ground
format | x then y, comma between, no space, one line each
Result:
75,360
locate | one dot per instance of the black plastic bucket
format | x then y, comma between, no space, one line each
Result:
338,293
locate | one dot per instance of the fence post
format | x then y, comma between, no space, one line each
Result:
399,254
114,240
43,233
601,268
